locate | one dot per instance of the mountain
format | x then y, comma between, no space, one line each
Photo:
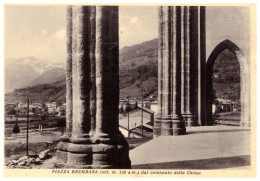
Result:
138,69
21,72
138,76
52,75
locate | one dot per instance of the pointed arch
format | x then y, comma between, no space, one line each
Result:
244,80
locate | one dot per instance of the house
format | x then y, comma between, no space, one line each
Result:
35,108
124,104
224,105
21,105
52,107
146,104
154,106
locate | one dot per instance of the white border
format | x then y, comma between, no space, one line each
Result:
115,2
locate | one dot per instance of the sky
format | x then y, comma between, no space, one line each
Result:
39,31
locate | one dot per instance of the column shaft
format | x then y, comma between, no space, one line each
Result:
166,63
74,70
157,122
175,59
81,103
202,66
190,65
170,119
107,71
93,70
113,150
69,110
63,145
83,38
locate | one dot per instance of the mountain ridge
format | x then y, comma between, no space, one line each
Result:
137,76
20,72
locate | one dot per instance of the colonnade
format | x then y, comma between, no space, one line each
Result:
92,138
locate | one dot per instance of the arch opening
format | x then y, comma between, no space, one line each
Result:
244,81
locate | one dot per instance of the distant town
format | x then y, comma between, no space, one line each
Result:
140,113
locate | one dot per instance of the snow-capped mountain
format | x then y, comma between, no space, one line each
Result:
21,72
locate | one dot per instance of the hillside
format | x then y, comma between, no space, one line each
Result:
226,76
138,69
138,75
39,93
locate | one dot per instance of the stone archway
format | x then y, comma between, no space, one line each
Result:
244,81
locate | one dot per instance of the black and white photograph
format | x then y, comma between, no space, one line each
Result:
163,89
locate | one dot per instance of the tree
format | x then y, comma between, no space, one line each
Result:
16,128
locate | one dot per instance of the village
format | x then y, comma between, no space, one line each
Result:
136,116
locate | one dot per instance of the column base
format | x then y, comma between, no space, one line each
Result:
79,154
113,154
62,156
190,120
157,128
102,138
80,139
62,153
169,126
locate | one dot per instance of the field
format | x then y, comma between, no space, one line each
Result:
48,122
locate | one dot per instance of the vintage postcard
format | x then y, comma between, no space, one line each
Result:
116,90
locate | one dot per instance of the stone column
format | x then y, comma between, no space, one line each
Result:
92,57
63,145
244,89
189,45
202,66
93,89
157,122
80,149
169,120
111,149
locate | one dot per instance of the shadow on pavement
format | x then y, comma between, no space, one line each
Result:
207,164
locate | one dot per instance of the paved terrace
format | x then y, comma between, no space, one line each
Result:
211,147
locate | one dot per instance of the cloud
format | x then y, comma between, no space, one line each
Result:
60,35
44,32
133,20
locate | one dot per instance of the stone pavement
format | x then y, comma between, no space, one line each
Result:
211,147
